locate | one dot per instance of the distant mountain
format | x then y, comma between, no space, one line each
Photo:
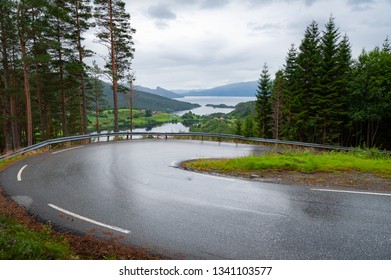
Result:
237,89
159,91
148,101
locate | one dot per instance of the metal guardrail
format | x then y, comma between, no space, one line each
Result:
220,137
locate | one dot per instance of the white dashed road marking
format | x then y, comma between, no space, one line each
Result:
352,192
61,151
19,176
89,220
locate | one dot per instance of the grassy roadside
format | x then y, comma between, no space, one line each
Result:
363,161
23,237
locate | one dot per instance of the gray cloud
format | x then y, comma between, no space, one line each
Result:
161,11
192,49
215,4
309,2
263,27
360,5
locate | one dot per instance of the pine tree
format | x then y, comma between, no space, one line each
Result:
26,11
263,105
81,12
9,132
277,103
370,103
329,99
291,102
344,71
308,78
249,129
95,93
387,45
115,32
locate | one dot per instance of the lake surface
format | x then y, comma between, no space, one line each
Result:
203,110
215,100
168,127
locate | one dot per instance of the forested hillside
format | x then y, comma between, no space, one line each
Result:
145,100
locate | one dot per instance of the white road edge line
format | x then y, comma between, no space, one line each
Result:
89,220
353,192
61,151
19,176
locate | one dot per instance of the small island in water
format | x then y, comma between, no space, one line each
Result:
220,106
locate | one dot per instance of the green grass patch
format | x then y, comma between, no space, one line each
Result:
306,162
141,119
17,242
5,162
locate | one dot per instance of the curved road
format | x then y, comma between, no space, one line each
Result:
133,189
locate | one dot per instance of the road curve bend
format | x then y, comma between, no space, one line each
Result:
134,190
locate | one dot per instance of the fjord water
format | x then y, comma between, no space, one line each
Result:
203,110
214,100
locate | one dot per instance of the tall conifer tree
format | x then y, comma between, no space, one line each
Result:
329,99
263,105
116,33
277,104
308,70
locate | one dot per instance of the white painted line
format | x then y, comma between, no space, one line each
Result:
61,151
89,220
218,177
353,192
19,176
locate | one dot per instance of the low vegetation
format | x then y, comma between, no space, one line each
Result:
19,242
365,161
141,119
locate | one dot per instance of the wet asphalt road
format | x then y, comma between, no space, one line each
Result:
135,186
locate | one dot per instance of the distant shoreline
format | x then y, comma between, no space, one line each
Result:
220,106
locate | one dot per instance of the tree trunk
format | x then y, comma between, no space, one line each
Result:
82,81
97,109
114,68
62,91
29,119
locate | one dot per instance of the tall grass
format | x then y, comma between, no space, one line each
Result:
368,161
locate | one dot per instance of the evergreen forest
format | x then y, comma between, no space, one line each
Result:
322,95
46,88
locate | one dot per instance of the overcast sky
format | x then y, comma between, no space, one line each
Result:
192,44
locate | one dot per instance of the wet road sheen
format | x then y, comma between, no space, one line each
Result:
136,186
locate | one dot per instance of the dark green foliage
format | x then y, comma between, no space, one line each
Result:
370,106
263,105
244,109
323,97
277,102
306,109
19,243
250,127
